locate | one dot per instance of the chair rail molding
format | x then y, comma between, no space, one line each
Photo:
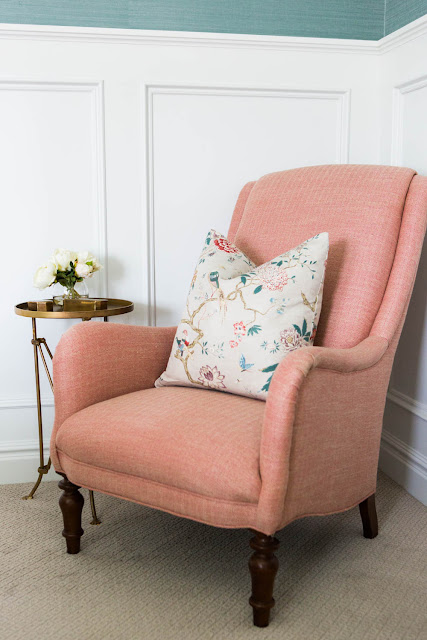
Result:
24,402
406,402
20,448
398,114
99,35
149,90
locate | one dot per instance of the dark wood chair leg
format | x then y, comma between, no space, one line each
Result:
71,503
263,566
368,513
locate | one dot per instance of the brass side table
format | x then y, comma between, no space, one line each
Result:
115,307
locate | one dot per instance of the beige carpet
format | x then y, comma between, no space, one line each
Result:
144,574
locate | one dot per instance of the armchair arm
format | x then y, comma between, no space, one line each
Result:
323,404
96,361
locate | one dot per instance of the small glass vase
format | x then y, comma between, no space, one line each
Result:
61,293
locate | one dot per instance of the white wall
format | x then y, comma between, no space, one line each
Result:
127,140
404,142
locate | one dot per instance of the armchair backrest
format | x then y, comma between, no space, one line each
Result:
362,207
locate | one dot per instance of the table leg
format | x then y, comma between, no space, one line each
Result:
95,520
43,468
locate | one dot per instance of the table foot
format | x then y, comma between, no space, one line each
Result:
42,471
95,520
34,489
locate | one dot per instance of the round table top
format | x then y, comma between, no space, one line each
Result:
115,307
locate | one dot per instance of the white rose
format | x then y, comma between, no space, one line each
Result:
88,258
83,270
62,258
45,275
95,265
84,256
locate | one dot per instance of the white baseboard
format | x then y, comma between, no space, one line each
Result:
405,465
19,462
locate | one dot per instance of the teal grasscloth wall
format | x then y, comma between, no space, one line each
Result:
401,12
359,19
362,19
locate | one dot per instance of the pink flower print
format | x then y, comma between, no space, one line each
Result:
239,330
290,339
211,377
272,277
224,245
233,343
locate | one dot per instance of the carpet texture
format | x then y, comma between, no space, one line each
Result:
144,574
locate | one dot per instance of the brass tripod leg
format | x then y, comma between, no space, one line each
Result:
95,520
43,469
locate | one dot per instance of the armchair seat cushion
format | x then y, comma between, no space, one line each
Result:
199,441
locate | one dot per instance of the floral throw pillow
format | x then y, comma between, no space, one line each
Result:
241,320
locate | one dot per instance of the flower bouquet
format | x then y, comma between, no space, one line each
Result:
67,268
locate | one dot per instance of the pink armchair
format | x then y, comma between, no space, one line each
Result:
229,461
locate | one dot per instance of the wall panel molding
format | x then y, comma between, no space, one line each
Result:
398,113
149,90
96,92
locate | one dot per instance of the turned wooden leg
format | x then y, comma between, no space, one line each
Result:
263,566
71,503
368,513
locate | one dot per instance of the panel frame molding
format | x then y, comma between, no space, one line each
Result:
150,89
96,91
398,112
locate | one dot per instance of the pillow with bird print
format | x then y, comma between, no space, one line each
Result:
241,320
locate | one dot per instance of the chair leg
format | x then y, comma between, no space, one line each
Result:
263,566
368,513
71,503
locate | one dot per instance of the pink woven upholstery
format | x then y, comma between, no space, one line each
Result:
134,434
312,448
360,207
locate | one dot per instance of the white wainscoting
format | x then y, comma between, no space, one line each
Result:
404,141
52,162
139,142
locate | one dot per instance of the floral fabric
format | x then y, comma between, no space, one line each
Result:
240,320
